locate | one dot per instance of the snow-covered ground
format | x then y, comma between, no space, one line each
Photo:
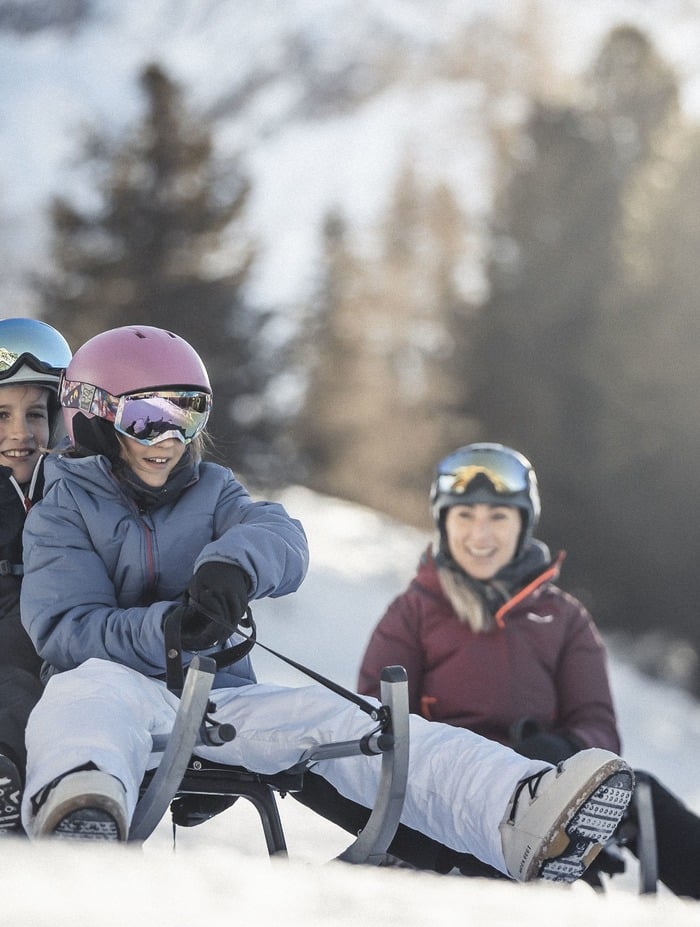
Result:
220,871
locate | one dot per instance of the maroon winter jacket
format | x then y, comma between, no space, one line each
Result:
545,661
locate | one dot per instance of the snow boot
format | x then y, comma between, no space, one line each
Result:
559,819
85,805
10,797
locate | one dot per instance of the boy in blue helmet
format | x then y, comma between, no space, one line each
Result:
32,355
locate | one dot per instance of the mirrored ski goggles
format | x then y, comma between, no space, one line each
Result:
147,417
11,361
506,475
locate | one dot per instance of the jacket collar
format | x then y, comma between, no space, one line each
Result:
529,572
148,497
548,575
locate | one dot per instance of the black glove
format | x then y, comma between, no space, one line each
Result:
553,748
530,739
220,592
197,632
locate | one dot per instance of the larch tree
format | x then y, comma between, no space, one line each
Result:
379,405
165,245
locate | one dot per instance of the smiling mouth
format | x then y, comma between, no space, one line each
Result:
19,453
480,554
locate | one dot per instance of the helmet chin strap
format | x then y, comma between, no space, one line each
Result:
95,436
27,497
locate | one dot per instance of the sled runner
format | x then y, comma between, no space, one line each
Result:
646,837
181,778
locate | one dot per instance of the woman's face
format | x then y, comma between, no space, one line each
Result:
482,538
24,428
153,464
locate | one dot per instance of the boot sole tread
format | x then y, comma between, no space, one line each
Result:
590,828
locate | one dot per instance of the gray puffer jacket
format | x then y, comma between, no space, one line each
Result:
99,574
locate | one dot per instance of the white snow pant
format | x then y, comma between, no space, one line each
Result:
459,784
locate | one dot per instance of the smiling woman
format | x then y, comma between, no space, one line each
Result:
482,538
491,644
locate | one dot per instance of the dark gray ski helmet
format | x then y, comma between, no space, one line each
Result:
490,473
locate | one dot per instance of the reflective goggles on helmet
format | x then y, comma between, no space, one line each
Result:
506,473
28,346
148,417
11,363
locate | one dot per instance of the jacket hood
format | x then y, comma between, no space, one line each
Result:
94,474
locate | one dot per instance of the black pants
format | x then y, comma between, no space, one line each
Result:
20,688
677,836
19,693
677,840
408,845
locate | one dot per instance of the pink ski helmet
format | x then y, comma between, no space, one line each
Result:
131,359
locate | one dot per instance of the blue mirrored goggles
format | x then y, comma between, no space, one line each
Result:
11,362
148,417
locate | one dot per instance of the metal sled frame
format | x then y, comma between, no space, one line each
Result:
646,838
181,773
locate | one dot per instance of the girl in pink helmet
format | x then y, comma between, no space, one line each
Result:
136,528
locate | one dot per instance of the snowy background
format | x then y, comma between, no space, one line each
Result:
303,93
220,871
232,58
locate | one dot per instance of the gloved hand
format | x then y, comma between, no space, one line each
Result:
531,739
553,748
197,632
220,592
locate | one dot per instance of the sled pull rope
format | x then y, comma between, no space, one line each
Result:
380,714
232,654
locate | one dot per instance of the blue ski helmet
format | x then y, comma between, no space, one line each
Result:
31,352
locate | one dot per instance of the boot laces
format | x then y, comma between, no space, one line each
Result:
531,783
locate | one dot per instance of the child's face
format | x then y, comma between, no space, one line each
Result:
24,428
153,464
